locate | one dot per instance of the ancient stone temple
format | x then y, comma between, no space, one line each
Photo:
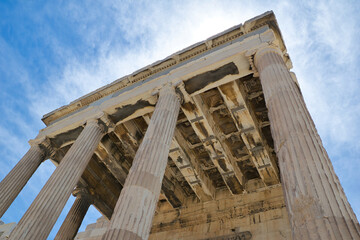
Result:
212,142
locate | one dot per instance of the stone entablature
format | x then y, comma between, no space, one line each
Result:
175,60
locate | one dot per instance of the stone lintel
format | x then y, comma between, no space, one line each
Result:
143,95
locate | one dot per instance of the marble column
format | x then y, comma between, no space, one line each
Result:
42,214
135,208
74,218
15,181
316,202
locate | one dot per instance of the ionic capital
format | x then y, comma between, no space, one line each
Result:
180,87
102,121
108,124
82,192
169,88
44,145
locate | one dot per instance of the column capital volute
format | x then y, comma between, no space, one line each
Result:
44,145
180,89
106,121
101,120
82,192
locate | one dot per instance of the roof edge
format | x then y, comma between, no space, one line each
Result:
170,61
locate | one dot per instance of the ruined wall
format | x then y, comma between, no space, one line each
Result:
256,215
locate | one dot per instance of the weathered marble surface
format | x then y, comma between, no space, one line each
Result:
316,202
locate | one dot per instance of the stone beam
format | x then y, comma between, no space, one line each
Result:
245,122
128,141
218,135
104,152
103,208
119,109
232,177
102,182
172,190
185,160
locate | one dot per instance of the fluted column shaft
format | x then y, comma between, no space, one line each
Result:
74,218
316,202
135,208
17,178
43,212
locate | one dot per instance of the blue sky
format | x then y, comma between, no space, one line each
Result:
52,52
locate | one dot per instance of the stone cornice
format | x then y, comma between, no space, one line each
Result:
226,37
